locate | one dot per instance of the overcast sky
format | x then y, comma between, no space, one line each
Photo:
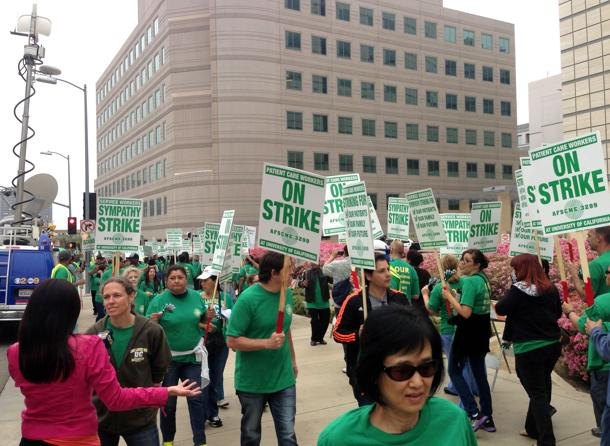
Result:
86,34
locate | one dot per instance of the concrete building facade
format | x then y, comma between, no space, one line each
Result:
545,111
202,93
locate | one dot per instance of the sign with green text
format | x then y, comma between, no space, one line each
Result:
426,219
571,184
358,225
398,218
221,261
119,222
457,227
208,237
332,222
522,240
485,226
532,206
173,237
290,219
522,195
237,233
375,224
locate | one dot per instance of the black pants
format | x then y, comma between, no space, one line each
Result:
26,442
93,292
599,384
534,371
319,320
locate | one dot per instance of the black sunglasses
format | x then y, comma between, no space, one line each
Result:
403,372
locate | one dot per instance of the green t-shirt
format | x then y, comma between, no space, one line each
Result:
94,279
594,361
196,269
149,288
476,293
120,341
247,271
597,269
528,346
254,316
62,272
404,278
140,303
190,272
318,302
437,304
181,326
441,422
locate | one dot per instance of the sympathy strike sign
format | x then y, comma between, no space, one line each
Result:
426,219
119,222
571,185
523,241
208,240
358,225
236,235
290,220
485,226
375,224
333,203
457,227
398,218
174,239
222,253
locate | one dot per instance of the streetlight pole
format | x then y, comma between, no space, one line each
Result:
67,158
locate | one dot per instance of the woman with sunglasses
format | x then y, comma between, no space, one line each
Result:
400,367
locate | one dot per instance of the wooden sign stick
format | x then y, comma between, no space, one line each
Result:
562,269
584,265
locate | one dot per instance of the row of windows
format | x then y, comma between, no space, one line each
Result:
131,119
369,165
390,58
389,22
141,79
148,174
142,143
453,204
134,53
345,126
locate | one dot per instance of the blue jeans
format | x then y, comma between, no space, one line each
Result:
447,341
192,372
479,372
146,437
283,407
216,362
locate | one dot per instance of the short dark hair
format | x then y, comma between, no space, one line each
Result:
48,321
478,258
173,268
183,257
271,261
414,257
395,329
604,232
378,258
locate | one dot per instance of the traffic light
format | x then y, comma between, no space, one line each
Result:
71,225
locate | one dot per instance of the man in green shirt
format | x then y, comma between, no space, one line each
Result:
95,270
61,271
183,261
403,276
265,365
599,241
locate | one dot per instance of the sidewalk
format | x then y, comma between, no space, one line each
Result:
323,393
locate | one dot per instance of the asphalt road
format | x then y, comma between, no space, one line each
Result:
8,335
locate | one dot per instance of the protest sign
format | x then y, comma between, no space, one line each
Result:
290,218
358,225
523,241
484,231
173,238
118,225
236,235
398,218
162,250
426,219
332,222
522,195
528,175
250,232
209,237
457,227
375,224
187,246
221,261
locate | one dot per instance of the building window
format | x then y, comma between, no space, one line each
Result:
320,123
411,96
366,16
367,90
451,101
505,77
293,40
468,37
344,87
507,140
344,49
367,53
345,125
411,61
368,127
320,161
432,99
486,41
452,135
389,93
389,57
432,133
292,4
469,71
488,106
490,171
294,120
453,169
346,163
391,166
430,30
388,21
434,168
318,45
319,84
449,34
471,170
471,137
293,80
453,204
505,108
295,159
507,172
470,103
412,167
412,131
431,64
450,67
489,138
390,129
504,44
488,74
369,164
410,25
318,7
343,12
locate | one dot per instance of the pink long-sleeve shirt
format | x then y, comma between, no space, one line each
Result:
64,409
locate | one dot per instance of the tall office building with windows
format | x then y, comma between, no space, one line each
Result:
407,93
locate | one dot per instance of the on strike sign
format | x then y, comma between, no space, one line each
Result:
485,226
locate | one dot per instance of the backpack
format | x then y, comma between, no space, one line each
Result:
340,291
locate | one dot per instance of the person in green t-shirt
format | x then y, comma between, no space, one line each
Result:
400,367
404,277
141,301
265,364
599,241
317,297
197,270
247,273
95,270
183,261
150,282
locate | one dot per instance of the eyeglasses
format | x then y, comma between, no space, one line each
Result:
403,372
607,272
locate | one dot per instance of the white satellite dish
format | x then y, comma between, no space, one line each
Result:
44,189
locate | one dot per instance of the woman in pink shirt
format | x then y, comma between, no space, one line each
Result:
58,371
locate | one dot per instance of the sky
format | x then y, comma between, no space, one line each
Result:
86,35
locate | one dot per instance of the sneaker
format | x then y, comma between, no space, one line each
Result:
322,342
215,422
449,391
483,422
313,343
596,432
222,403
